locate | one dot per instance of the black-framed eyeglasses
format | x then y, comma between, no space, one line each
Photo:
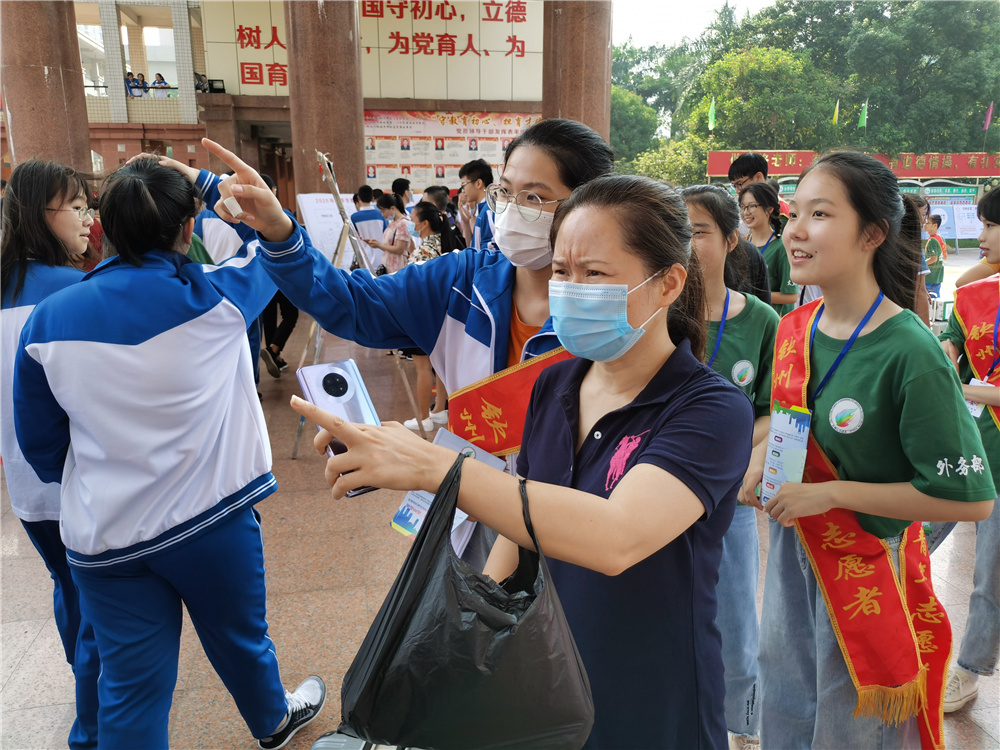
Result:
738,185
529,205
81,213
749,207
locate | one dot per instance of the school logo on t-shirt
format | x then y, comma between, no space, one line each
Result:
847,416
743,373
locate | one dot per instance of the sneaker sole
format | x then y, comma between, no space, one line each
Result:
960,703
272,367
295,731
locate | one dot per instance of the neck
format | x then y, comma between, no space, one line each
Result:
629,374
531,294
760,235
846,302
715,293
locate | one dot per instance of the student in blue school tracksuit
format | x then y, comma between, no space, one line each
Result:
161,464
47,225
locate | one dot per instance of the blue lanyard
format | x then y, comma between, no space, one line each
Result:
762,249
722,327
996,354
847,346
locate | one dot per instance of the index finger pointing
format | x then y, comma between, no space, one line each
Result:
231,159
337,426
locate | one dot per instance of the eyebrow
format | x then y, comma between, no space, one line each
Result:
529,185
813,202
700,224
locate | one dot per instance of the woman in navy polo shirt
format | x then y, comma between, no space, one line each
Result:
633,452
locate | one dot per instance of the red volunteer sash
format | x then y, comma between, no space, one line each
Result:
491,411
979,301
895,637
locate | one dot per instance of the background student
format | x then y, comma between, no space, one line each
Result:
968,344
759,209
934,255
46,226
740,347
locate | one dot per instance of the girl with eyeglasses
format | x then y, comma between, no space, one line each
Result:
475,312
632,457
761,212
46,227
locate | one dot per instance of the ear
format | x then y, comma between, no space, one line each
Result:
185,236
873,236
672,284
732,242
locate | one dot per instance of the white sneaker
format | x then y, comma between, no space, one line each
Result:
744,741
411,424
439,417
962,688
304,705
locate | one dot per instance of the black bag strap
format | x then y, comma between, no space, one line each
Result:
522,485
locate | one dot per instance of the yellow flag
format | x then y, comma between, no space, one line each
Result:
836,112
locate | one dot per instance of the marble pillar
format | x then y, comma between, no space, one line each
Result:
327,109
42,83
576,81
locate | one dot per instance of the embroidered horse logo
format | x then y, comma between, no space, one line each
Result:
624,450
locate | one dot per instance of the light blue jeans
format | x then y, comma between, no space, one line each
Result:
807,697
737,620
981,641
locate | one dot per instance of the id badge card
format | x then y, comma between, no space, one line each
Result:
787,443
976,408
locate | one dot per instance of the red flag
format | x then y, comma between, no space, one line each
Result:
989,117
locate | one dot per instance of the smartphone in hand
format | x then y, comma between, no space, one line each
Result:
339,388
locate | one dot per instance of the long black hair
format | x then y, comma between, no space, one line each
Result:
144,207
873,192
390,200
579,152
26,231
720,205
438,222
767,197
654,224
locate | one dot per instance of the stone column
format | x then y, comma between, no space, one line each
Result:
576,80
43,83
114,60
327,110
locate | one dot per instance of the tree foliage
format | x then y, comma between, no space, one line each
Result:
633,123
680,161
928,69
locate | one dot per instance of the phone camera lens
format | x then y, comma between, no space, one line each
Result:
335,384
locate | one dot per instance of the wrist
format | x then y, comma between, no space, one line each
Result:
436,468
279,231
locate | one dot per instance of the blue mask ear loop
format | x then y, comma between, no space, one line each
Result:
642,326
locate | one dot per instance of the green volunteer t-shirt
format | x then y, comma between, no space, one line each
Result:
934,249
779,272
987,427
894,412
198,253
746,351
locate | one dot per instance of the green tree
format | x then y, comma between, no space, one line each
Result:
769,98
680,161
633,123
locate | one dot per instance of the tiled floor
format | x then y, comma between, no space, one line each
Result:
330,563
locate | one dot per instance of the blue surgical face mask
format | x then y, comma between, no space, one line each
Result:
591,320
412,229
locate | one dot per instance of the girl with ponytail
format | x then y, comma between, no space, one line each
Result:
396,241
633,453
891,444
160,468
761,209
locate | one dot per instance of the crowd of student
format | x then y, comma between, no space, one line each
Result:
640,455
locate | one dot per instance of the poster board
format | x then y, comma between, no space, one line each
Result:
321,218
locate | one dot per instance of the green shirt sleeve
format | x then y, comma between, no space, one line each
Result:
952,465
762,388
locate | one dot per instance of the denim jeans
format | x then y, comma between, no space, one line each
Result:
981,641
807,696
737,620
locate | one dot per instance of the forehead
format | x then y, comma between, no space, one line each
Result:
589,234
531,168
700,216
820,183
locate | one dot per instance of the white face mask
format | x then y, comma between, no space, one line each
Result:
524,243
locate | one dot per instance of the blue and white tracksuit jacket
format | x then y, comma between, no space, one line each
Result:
31,499
134,389
457,307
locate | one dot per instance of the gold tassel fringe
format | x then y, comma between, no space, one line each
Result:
894,705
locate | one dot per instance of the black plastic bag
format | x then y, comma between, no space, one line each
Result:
454,661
